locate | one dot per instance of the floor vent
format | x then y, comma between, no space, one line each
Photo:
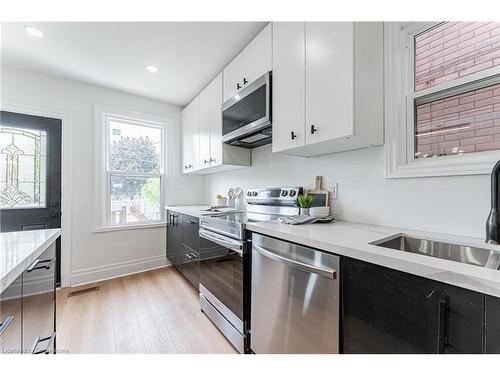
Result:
84,290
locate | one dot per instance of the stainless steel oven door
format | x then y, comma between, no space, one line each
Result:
246,117
221,275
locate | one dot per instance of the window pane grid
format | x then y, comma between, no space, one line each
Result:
134,172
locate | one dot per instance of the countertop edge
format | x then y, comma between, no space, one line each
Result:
14,273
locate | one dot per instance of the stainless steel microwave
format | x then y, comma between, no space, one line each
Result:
246,117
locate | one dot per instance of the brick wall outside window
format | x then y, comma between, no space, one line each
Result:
464,123
455,49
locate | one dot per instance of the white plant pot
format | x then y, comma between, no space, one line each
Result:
304,211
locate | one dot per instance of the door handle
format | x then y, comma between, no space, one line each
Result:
238,86
441,344
322,271
191,222
313,129
5,323
293,135
245,81
49,339
51,216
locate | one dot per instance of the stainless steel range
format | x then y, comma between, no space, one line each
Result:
225,259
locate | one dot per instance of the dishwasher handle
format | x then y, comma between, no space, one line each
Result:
322,271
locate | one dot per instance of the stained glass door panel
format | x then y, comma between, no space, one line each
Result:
30,173
23,167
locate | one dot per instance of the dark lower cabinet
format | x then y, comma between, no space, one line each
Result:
39,304
174,239
492,325
387,311
191,266
11,318
183,245
28,309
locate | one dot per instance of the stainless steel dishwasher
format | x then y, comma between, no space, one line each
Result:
294,298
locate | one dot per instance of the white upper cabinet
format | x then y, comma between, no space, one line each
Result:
215,89
329,80
204,132
190,136
203,149
327,86
233,77
288,85
257,56
250,64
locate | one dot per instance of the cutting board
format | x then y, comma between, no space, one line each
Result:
322,196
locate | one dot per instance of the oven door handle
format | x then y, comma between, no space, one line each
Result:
236,246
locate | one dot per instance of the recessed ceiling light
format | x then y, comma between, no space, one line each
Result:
152,68
33,31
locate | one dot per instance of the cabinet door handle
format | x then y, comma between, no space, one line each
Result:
5,323
293,135
245,81
191,222
313,129
213,160
238,86
41,264
441,326
48,348
205,161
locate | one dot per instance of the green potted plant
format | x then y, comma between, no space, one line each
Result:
305,202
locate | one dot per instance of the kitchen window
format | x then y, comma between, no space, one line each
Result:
442,98
133,163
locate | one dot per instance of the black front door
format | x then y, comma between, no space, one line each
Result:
30,174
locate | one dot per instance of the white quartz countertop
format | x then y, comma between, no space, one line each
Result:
19,249
353,240
197,210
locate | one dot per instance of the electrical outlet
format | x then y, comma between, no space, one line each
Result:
334,191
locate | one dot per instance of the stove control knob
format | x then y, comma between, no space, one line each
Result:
249,193
254,193
292,193
284,193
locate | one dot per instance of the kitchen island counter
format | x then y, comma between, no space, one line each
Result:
19,249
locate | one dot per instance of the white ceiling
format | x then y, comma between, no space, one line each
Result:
115,54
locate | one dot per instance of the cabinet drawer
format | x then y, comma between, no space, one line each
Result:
39,304
191,265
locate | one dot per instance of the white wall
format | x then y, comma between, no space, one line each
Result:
455,205
101,255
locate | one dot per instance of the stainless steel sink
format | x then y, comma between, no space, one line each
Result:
476,256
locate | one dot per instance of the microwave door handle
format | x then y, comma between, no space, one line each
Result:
233,245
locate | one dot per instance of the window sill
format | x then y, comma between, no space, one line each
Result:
117,228
457,166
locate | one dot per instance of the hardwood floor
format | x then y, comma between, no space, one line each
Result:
152,312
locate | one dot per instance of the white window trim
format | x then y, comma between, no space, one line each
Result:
103,114
399,121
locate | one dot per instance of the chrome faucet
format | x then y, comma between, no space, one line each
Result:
493,222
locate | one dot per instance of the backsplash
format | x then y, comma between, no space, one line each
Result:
455,205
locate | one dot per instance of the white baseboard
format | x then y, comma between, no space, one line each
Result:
111,271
